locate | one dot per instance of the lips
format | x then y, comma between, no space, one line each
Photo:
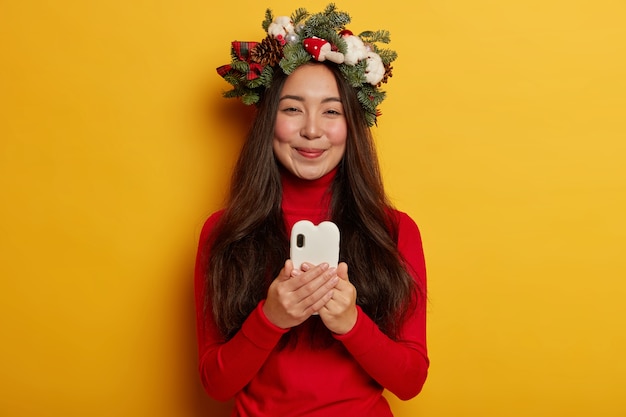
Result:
310,153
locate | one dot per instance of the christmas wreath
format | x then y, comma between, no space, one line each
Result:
297,39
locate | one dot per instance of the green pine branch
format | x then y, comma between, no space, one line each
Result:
294,56
387,55
299,16
269,18
382,36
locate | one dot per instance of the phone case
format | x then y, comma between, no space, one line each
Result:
314,244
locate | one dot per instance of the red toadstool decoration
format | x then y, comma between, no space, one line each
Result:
321,50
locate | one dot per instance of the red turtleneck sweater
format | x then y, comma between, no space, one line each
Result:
347,377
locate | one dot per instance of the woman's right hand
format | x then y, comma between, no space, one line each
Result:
295,295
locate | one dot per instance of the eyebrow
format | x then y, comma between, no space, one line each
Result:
300,98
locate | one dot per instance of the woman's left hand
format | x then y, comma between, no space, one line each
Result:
340,313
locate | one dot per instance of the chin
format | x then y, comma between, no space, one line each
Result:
310,175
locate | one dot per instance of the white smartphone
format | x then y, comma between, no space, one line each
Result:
314,244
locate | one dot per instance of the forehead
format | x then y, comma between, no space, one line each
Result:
312,80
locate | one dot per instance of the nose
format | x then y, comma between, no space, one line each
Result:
311,129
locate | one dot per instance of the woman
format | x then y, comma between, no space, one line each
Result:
315,341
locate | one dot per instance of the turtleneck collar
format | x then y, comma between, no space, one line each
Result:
306,199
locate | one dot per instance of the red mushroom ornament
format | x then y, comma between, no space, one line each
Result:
321,50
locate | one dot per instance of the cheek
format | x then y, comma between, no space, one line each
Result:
280,143
281,151
282,131
339,142
339,152
338,136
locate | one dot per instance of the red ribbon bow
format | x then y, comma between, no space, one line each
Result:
242,51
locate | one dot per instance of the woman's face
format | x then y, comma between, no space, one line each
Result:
311,130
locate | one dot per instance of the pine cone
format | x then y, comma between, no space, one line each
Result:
268,52
387,75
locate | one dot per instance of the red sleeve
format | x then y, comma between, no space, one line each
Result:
226,367
400,366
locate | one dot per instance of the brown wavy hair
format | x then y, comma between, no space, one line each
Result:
249,245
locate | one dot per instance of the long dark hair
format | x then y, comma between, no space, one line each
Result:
249,245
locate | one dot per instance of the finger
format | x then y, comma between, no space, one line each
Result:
337,300
344,285
311,273
344,296
313,280
342,271
287,270
322,295
296,272
321,303
306,266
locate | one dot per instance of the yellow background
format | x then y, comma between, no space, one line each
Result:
504,136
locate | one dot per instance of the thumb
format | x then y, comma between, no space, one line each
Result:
285,273
342,271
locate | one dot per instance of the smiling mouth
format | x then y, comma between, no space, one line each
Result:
310,153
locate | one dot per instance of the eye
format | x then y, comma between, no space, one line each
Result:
333,112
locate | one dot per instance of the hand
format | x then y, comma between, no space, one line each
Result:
295,295
339,314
